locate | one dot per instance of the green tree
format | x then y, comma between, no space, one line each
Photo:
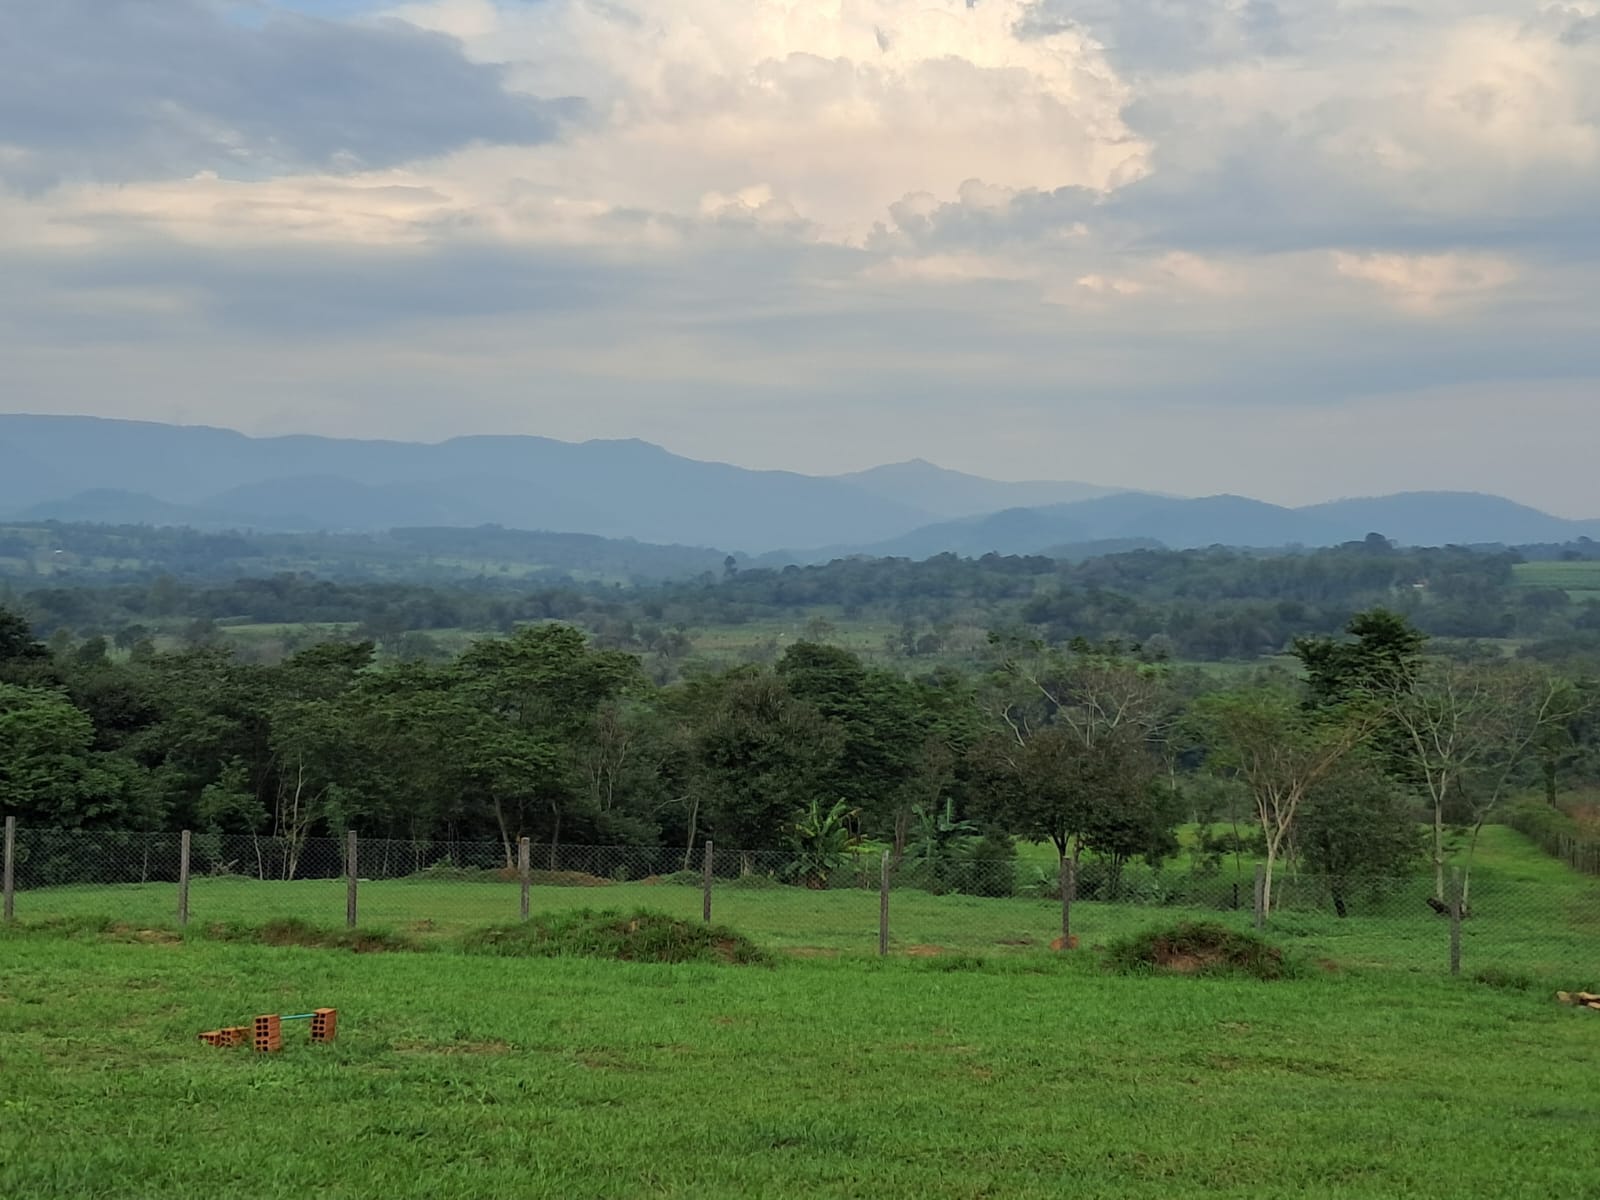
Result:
1356,827
1266,738
758,756
44,758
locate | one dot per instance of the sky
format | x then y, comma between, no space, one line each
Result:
1293,249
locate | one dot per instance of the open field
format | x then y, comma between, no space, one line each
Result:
485,1077
1531,914
1580,580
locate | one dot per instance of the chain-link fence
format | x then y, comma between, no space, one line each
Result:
860,903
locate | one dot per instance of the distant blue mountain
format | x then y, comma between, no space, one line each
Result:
89,469
946,493
611,488
1414,519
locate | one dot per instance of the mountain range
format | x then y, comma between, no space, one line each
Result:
135,472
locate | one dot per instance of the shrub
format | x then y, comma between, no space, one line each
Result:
1199,948
988,868
641,936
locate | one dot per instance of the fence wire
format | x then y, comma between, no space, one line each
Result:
951,905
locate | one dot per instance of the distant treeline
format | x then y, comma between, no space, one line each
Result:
547,735
1198,605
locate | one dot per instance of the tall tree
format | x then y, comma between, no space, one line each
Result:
1279,750
1467,729
759,756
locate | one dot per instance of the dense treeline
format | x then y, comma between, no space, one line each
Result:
88,553
1191,605
546,734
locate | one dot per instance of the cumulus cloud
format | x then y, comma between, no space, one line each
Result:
1111,221
835,110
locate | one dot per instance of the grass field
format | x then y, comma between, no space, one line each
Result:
463,1076
1531,914
972,1062
1580,580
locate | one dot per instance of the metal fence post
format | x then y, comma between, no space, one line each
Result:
10,874
705,886
1455,920
350,879
183,878
883,906
525,870
1261,896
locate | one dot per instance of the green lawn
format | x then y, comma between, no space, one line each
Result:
462,1076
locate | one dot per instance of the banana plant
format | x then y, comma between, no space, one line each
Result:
821,842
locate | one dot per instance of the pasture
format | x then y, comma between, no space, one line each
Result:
1039,1076
1580,580
971,1062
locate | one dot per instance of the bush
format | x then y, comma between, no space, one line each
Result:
641,936
1199,948
989,868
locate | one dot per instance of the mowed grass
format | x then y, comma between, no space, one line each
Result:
1531,914
456,1075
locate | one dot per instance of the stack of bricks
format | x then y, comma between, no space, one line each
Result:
324,1024
268,1034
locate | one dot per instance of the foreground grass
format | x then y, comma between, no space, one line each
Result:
490,1077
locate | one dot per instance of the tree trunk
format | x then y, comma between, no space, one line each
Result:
505,834
555,834
1266,886
694,822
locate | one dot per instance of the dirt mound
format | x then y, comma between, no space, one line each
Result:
1199,948
641,936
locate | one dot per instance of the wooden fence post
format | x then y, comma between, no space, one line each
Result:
1069,893
183,878
1455,920
350,879
705,886
1261,896
883,906
525,870
10,873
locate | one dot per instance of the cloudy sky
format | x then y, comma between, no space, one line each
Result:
1290,248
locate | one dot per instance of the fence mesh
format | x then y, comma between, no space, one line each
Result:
948,906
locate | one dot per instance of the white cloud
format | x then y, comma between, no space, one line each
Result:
837,110
1426,282
985,232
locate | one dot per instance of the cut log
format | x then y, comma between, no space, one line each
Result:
1439,906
